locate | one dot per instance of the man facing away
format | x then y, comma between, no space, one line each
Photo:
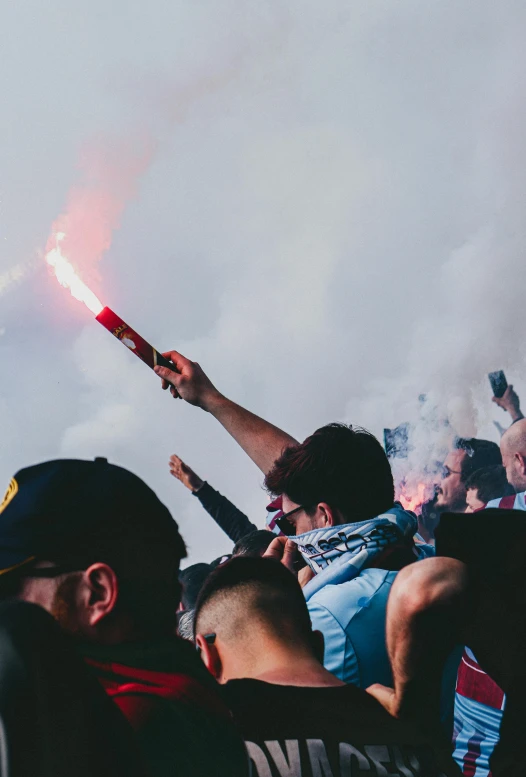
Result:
513,449
90,543
255,636
337,494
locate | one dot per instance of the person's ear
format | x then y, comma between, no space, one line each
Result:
99,592
318,644
328,515
522,462
210,656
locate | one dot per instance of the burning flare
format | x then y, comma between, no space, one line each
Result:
67,277
412,501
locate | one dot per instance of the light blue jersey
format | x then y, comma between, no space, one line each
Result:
351,617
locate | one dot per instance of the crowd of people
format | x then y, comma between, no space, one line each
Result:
347,637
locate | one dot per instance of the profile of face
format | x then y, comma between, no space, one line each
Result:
302,522
451,491
472,500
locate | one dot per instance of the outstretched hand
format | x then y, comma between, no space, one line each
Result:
184,473
187,381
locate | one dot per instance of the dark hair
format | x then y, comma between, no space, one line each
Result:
480,453
254,543
280,599
338,464
490,483
192,579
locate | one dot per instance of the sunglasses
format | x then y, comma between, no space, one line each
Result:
285,526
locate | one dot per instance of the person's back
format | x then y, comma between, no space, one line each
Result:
253,629
338,731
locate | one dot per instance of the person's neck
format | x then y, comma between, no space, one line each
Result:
286,667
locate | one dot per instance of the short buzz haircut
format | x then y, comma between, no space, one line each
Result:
249,588
344,466
490,483
480,453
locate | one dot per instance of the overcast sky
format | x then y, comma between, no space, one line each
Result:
324,203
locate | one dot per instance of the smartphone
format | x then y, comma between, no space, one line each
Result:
499,384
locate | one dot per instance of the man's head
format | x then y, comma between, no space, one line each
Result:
192,579
467,456
484,485
251,612
513,448
255,543
93,545
339,474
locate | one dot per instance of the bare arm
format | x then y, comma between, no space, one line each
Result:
261,440
425,614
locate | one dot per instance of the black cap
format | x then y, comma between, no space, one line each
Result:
51,505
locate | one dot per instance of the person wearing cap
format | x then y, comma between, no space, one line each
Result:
93,545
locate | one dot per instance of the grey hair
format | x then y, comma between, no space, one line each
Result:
185,629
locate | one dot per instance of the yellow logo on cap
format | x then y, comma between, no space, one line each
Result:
12,491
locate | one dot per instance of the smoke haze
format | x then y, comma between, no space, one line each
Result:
323,204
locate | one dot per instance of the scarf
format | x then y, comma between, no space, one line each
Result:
339,553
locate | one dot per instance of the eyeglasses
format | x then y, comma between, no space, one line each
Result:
285,526
209,639
446,472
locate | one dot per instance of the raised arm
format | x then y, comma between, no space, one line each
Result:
511,403
228,517
262,441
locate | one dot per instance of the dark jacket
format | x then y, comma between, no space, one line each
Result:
174,705
228,517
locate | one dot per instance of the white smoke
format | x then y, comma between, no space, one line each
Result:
332,224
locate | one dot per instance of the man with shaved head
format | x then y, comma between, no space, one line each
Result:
254,633
513,449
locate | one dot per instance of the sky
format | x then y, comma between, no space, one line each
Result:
324,204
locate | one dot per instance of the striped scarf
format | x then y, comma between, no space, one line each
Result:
339,553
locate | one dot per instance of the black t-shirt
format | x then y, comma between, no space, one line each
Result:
339,731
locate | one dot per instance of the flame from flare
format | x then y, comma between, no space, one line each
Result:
413,501
67,277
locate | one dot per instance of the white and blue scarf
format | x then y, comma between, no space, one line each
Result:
339,553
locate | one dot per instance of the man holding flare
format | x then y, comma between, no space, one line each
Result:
338,498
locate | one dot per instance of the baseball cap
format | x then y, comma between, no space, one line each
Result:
274,513
50,506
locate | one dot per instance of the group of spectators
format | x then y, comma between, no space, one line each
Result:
334,642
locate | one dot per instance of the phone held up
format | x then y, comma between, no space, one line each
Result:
499,384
